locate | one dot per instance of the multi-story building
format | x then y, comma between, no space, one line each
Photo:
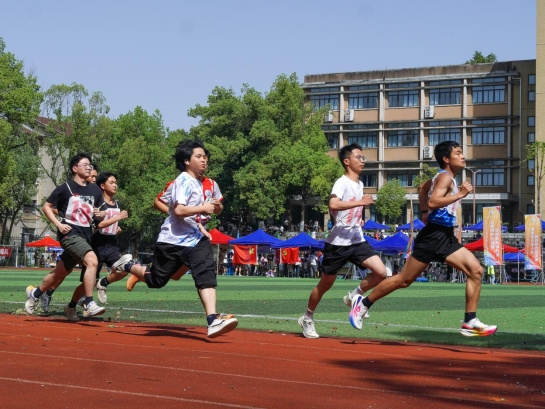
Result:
397,116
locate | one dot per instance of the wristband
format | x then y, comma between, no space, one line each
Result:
424,211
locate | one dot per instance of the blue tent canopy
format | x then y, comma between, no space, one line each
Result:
258,237
417,225
513,257
395,243
522,227
373,225
302,240
371,240
479,226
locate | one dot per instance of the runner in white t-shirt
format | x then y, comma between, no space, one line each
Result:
345,242
181,241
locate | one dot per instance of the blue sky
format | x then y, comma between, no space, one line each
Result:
169,55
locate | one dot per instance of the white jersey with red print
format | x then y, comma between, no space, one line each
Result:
347,229
111,211
210,190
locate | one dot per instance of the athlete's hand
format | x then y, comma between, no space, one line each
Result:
64,228
208,208
366,200
466,188
123,214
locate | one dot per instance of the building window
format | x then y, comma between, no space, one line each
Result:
531,164
490,177
405,177
403,97
531,121
491,134
402,137
332,140
531,96
531,79
486,94
444,96
364,139
369,179
443,133
530,208
531,137
325,97
362,100
531,180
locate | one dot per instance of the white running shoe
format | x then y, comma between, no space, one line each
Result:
222,325
92,309
30,300
475,328
348,301
101,291
357,312
45,300
71,314
119,264
308,327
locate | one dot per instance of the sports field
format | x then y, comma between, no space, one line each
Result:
425,312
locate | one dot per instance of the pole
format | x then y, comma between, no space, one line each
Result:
473,182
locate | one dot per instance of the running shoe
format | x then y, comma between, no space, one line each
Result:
119,264
357,312
81,301
45,300
222,325
131,282
92,309
30,300
348,301
101,291
476,328
308,327
71,314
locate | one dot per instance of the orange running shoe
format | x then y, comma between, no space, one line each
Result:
131,282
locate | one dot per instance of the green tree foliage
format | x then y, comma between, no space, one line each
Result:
20,99
479,58
391,199
79,123
265,149
536,152
426,173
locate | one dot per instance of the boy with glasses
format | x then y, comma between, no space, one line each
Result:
345,242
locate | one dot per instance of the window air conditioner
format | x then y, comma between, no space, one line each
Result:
427,152
349,115
329,116
429,111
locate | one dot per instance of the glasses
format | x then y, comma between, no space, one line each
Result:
86,165
360,158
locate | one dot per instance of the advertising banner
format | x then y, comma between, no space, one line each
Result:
493,248
532,242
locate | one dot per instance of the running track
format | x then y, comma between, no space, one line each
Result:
52,363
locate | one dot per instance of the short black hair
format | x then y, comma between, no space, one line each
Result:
345,151
444,149
77,159
104,176
184,151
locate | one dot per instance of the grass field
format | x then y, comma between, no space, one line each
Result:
425,312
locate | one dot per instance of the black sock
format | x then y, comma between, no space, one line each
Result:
50,291
72,304
37,292
469,316
87,301
104,282
211,318
127,267
366,302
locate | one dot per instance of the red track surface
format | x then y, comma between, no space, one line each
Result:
52,363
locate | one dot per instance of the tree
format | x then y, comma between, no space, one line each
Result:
536,152
426,173
479,58
391,199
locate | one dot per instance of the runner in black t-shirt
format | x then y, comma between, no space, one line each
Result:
77,203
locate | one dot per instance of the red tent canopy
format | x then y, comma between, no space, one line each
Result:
479,246
219,238
47,241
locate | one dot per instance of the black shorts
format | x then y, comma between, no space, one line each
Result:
107,253
435,243
335,257
168,258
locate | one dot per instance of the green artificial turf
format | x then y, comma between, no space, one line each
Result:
424,312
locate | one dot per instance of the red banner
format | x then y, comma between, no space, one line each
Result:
289,255
493,247
532,242
5,251
245,254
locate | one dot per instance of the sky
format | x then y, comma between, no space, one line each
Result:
169,55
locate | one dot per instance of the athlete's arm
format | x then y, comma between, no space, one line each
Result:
159,205
441,196
335,203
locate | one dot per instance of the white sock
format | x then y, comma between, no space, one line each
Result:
357,291
309,315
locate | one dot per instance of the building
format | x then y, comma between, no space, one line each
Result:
397,116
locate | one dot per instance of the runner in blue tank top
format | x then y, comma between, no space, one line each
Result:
437,242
